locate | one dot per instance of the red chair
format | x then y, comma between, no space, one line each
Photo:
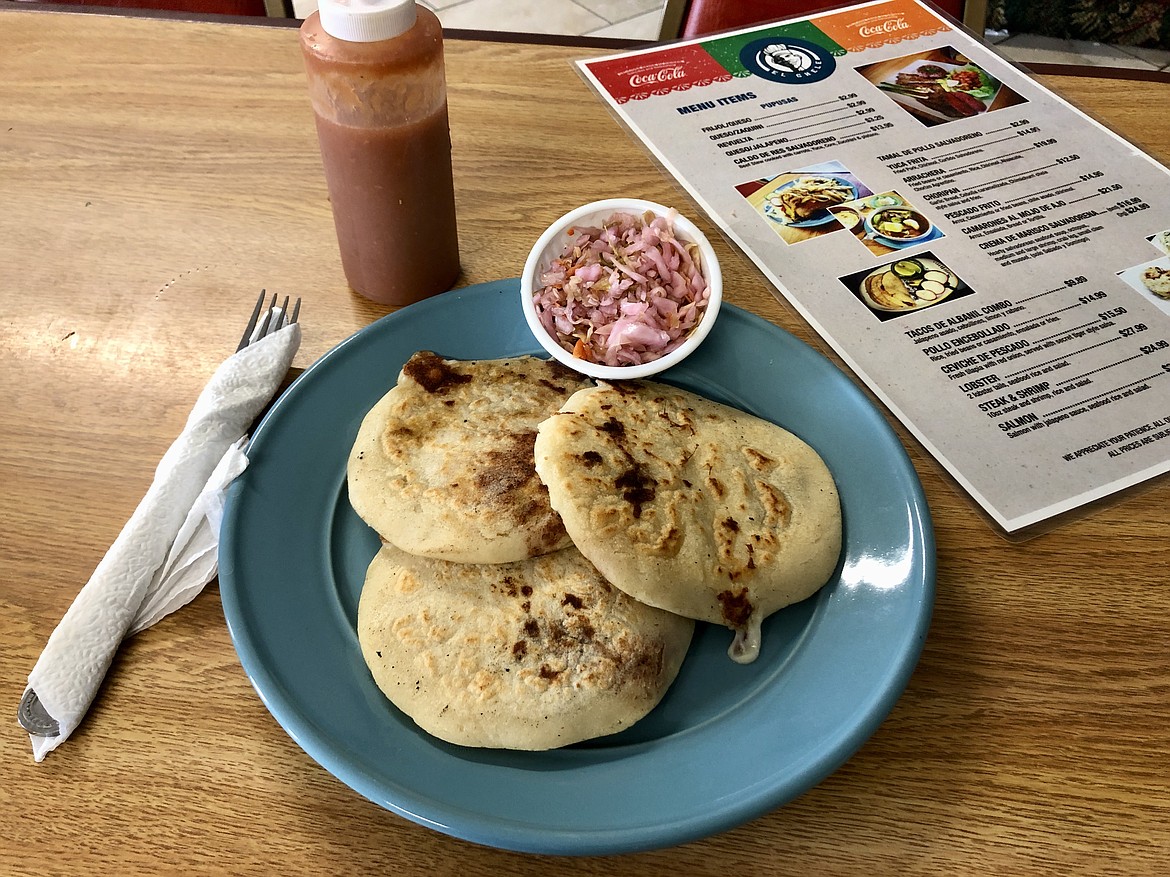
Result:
687,19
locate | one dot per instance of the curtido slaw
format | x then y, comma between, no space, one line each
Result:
625,292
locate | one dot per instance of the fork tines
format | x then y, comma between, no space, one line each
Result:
265,329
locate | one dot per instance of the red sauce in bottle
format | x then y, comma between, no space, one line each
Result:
381,111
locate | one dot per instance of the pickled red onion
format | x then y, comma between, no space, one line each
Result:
626,292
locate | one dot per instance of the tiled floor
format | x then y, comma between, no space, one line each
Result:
640,20
627,19
1027,48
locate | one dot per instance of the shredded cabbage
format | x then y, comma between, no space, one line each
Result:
625,293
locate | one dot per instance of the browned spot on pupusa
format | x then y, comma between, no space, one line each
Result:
579,645
614,428
562,379
625,388
735,607
646,666
580,627
434,374
637,488
508,468
758,460
741,543
549,534
777,508
563,374
726,532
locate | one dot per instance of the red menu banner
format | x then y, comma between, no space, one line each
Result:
635,78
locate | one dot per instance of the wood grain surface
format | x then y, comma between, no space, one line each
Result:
154,176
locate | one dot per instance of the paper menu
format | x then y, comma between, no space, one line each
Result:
991,262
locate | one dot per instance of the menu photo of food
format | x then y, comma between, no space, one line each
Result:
906,285
886,222
796,205
939,86
1151,279
1161,240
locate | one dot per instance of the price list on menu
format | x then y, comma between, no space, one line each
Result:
991,262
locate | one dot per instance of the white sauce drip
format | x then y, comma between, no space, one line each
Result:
745,647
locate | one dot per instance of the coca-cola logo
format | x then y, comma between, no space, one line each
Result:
885,25
675,68
656,75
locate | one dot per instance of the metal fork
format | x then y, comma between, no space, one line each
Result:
269,325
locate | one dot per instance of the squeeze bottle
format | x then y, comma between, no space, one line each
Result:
375,73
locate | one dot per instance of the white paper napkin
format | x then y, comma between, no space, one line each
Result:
167,551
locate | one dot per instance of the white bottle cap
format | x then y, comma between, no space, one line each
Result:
366,21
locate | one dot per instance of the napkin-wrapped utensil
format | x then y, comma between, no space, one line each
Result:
167,551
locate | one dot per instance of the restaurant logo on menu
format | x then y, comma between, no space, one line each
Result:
789,53
637,77
788,60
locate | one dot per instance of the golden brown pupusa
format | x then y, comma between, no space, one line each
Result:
443,465
690,505
533,654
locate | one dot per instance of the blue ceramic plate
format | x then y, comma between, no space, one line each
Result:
727,743
894,244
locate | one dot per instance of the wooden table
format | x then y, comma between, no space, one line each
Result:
154,175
